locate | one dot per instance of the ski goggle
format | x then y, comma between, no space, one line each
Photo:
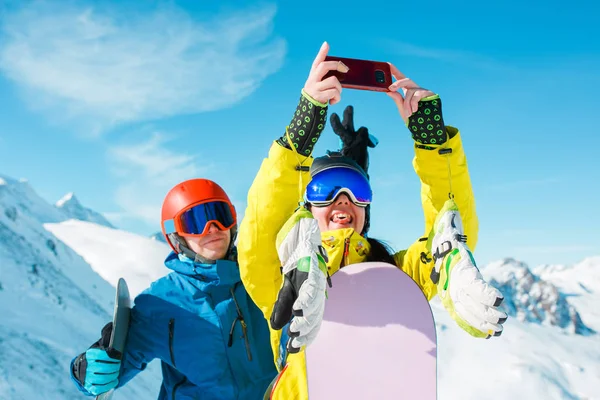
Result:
197,219
326,185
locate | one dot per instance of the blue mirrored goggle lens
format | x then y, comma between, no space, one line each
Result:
326,185
194,220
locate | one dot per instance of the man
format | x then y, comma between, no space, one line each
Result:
213,342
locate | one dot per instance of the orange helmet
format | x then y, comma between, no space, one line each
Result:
192,206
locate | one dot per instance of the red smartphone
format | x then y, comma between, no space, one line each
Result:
363,74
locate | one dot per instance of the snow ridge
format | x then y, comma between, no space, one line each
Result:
532,299
72,209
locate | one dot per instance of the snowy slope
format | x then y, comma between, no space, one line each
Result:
113,253
581,284
52,304
26,201
528,361
539,356
72,209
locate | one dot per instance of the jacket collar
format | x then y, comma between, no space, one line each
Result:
344,247
221,273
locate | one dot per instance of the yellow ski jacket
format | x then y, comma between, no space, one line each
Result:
275,194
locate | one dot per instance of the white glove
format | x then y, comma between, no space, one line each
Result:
471,302
304,270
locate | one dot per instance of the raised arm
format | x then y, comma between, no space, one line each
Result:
280,183
441,165
451,224
432,169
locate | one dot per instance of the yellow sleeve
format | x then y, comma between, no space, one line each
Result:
432,169
273,197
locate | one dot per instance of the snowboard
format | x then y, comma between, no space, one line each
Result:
377,339
121,314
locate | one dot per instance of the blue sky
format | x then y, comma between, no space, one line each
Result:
117,103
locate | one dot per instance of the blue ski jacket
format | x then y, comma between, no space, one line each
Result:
212,340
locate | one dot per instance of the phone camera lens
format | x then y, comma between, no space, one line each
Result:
379,76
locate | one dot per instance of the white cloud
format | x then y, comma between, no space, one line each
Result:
146,172
105,66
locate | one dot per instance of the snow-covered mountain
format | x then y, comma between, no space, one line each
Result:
548,349
533,299
52,303
72,209
580,283
56,294
113,253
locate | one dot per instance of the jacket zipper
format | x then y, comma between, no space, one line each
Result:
245,333
171,334
323,254
240,317
346,251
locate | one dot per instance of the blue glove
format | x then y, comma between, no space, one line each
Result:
97,370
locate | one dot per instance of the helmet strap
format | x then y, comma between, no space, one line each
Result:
182,248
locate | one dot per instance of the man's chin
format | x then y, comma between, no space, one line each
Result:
214,254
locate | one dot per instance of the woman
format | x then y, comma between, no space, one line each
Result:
213,342
289,174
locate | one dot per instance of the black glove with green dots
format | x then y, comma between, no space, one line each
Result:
306,126
427,123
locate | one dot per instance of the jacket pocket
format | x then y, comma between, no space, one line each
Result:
171,335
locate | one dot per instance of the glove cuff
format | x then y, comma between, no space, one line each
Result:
427,123
78,368
306,125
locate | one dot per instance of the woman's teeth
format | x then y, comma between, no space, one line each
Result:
341,217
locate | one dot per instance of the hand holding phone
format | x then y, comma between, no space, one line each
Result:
363,74
319,85
408,103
